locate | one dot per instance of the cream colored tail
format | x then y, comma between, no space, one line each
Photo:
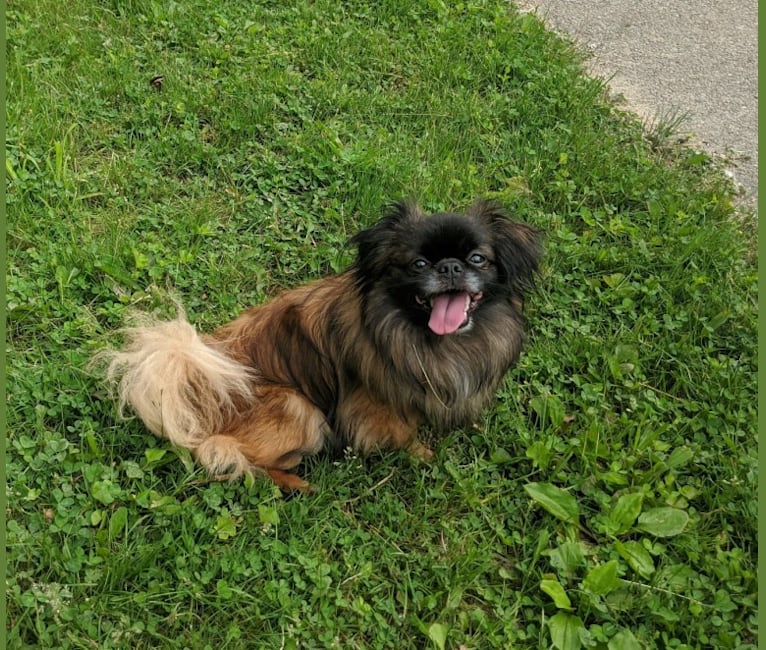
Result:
182,388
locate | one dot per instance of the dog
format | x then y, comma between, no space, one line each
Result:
419,330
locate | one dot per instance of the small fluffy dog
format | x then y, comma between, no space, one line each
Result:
420,330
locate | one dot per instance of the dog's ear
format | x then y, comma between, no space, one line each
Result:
518,246
374,244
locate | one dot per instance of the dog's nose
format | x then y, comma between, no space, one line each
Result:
450,267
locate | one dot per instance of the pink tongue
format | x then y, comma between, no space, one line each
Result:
448,312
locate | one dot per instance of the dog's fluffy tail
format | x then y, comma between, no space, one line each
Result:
182,388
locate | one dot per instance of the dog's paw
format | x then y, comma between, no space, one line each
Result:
420,451
290,482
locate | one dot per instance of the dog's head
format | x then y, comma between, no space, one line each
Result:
441,270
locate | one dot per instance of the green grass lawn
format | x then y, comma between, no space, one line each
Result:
608,500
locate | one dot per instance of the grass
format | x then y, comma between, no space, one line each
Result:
607,501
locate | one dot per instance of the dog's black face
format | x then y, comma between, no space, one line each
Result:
441,271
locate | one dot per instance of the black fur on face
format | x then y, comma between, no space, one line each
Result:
441,270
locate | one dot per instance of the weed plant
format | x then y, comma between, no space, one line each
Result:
220,152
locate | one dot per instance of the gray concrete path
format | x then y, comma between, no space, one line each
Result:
691,57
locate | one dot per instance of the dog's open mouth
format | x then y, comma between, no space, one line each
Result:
450,312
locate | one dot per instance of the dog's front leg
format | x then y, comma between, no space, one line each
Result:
373,425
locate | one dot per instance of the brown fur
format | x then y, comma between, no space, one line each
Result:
332,361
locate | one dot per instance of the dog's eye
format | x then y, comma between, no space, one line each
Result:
477,258
419,264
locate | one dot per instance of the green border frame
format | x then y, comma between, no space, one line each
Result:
761,354
3,265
